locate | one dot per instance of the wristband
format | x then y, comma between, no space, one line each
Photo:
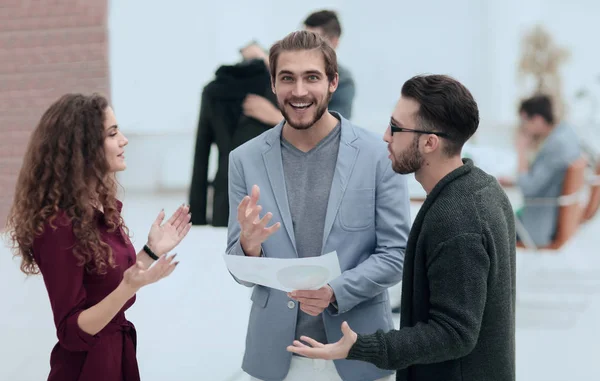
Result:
150,253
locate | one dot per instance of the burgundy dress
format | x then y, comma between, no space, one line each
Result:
110,354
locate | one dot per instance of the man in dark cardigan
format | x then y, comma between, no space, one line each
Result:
458,287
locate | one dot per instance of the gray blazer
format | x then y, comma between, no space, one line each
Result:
545,179
367,223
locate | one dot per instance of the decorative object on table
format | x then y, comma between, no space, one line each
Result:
541,59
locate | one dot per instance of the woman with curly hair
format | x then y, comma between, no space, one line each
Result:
66,224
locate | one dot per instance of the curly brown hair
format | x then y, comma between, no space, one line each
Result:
65,171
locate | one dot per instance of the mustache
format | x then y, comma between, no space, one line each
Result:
300,100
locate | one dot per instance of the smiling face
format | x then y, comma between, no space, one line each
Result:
302,88
114,143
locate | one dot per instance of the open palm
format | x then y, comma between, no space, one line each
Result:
164,237
137,276
316,350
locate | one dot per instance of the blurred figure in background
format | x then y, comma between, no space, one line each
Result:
327,25
222,122
545,149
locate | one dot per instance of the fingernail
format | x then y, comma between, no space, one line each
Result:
176,263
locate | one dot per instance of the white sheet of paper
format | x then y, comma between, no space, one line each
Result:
286,274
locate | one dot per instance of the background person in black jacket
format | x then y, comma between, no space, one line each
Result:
222,122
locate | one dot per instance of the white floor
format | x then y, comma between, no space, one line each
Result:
192,325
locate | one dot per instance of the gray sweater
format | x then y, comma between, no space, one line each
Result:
458,288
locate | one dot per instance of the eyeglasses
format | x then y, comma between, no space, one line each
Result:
395,128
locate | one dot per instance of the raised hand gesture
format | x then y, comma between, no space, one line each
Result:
254,230
163,238
137,276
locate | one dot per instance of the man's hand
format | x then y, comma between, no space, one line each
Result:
506,181
254,231
316,350
523,145
523,142
261,109
254,51
314,302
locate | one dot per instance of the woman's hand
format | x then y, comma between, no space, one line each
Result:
163,238
137,277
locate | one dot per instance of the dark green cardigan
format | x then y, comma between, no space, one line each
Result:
458,288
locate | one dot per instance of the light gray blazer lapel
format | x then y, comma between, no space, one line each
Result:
346,159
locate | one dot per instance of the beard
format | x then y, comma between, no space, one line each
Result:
299,124
408,161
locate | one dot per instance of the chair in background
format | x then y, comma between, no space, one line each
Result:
570,212
594,201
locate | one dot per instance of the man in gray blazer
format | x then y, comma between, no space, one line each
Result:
327,185
545,150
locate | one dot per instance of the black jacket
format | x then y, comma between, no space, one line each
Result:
221,122
458,288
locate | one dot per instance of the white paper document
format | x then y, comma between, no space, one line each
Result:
286,274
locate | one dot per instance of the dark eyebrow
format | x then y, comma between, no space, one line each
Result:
396,122
309,72
111,127
313,72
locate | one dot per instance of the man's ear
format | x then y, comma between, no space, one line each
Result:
334,42
432,143
334,83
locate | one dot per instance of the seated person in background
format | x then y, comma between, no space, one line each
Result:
326,24
545,149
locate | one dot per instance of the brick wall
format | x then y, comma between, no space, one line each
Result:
47,48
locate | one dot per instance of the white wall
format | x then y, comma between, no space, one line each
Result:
573,25
162,56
